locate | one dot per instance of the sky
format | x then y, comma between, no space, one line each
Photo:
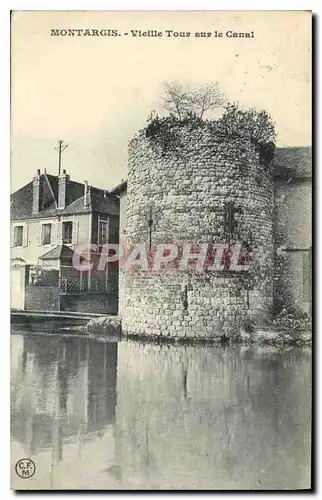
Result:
95,93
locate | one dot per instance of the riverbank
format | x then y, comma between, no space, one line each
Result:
111,326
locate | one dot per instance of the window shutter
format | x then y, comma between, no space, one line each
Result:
75,232
54,234
59,233
25,235
12,235
39,234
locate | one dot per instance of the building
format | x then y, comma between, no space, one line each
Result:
53,217
293,227
120,192
53,221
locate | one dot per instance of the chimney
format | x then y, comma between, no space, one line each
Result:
87,194
37,193
62,189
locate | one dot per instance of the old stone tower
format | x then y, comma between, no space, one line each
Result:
196,186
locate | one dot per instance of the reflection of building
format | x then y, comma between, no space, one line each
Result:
63,390
54,219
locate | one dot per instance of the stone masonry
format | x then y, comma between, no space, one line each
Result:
184,189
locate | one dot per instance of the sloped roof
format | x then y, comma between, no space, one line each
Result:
293,162
22,200
119,188
60,252
106,203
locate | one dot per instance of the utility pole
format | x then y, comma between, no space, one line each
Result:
60,148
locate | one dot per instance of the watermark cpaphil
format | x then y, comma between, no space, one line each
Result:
200,257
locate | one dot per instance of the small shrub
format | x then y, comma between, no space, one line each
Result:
292,320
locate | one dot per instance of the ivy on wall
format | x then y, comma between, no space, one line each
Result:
251,125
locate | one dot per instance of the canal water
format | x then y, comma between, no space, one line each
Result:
125,415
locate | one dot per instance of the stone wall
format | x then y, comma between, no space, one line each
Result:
293,201
42,298
102,303
188,186
48,298
293,238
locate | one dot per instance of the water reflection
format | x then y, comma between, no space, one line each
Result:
183,418
63,396
213,417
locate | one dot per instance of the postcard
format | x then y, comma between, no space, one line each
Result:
161,250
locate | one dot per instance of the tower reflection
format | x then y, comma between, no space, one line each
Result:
212,417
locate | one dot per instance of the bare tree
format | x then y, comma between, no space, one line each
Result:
206,98
182,101
176,99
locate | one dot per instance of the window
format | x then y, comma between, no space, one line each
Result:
102,232
18,236
67,232
46,234
231,221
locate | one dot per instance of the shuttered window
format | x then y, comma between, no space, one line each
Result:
67,232
17,236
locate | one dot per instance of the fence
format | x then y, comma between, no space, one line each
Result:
77,282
